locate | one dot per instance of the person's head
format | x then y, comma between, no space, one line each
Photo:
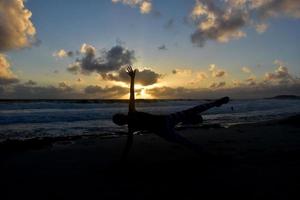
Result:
120,119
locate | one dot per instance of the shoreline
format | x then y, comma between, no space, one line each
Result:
40,142
17,145
253,161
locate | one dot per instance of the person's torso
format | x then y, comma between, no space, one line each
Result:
141,121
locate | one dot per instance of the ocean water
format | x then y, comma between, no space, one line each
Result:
30,119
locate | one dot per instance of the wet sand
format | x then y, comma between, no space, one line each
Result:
254,161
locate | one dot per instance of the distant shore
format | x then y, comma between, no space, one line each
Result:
250,161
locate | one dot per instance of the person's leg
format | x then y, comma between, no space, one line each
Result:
185,114
128,146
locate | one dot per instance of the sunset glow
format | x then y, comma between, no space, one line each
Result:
182,49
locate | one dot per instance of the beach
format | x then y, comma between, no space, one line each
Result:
248,161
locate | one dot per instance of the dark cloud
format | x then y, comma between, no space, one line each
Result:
22,91
144,77
217,85
169,24
289,8
8,81
108,61
106,92
162,47
156,13
16,28
62,91
242,92
64,86
225,21
168,92
30,82
217,23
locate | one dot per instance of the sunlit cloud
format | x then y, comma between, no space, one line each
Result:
201,76
6,75
246,70
226,20
145,6
63,53
215,72
281,75
251,81
16,28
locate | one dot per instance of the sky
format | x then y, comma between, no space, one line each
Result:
61,49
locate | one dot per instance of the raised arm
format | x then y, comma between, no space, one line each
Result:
131,73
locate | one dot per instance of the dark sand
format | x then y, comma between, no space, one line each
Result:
254,161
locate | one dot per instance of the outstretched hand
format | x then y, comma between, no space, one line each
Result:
130,71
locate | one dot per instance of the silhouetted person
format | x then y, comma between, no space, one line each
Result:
162,125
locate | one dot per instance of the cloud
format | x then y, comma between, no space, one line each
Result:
186,77
63,53
25,91
214,23
201,75
281,75
30,82
242,92
87,49
217,85
145,6
6,75
216,73
74,68
162,47
225,21
106,92
61,91
246,70
275,8
16,28
144,77
169,92
182,72
251,81
64,86
108,61
169,24
261,28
